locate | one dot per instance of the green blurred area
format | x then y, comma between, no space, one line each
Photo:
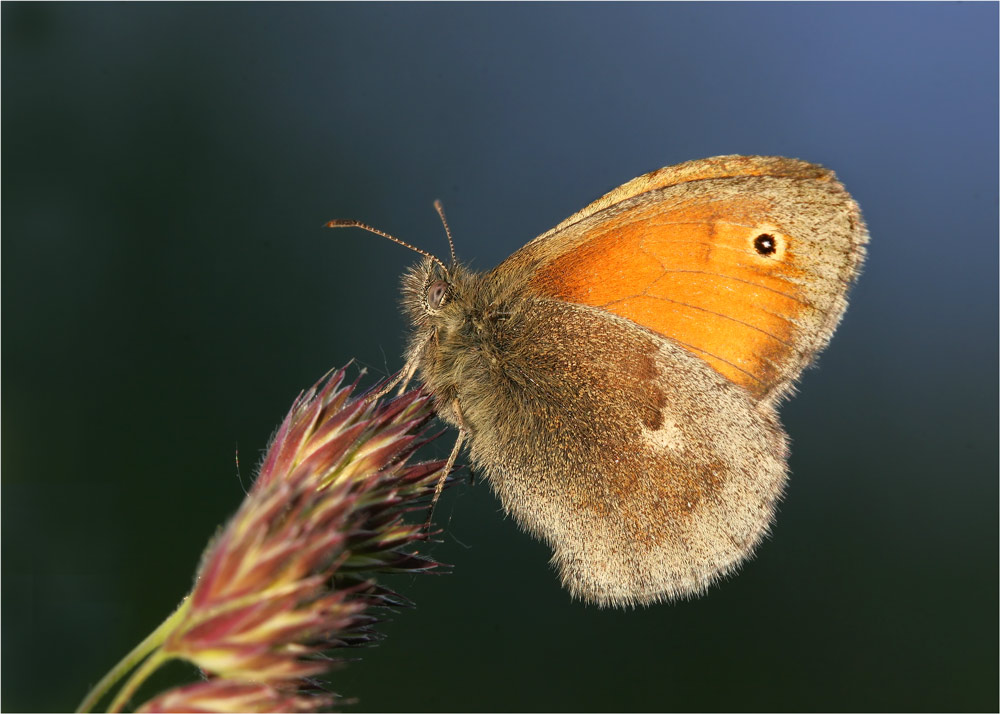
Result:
168,289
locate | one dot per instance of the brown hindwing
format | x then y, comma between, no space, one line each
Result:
648,473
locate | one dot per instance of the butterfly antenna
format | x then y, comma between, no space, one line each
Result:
439,207
348,223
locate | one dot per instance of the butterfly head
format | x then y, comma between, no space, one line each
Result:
439,301
448,332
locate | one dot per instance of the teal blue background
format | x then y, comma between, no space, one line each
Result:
168,289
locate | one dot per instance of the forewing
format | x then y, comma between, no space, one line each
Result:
744,261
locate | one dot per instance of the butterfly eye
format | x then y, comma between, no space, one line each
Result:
436,294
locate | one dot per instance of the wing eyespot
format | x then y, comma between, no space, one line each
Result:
766,244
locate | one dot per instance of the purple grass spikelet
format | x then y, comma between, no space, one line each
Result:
291,576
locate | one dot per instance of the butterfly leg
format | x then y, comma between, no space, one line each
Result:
410,368
388,387
462,430
404,376
408,371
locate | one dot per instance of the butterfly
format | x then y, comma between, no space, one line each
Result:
617,379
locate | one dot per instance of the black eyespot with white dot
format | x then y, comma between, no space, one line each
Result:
765,244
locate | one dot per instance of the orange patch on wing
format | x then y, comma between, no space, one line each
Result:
690,276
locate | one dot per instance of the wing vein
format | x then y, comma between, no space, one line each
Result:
691,347
748,282
706,310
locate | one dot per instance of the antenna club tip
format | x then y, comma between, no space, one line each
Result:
340,223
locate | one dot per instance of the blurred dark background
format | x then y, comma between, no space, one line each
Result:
168,289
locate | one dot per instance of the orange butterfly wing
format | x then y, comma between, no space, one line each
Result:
744,261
